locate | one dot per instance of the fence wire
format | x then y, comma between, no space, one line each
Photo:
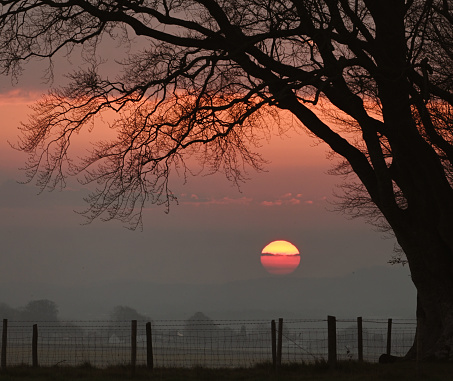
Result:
214,344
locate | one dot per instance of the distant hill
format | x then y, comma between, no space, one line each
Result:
373,292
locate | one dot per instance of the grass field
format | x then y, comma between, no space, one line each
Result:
345,371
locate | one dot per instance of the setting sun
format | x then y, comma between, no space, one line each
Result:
280,257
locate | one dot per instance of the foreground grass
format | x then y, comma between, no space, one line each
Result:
347,371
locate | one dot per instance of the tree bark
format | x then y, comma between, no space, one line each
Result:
430,263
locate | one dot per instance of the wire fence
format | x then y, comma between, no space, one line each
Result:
213,344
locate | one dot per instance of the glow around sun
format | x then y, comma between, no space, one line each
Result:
280,257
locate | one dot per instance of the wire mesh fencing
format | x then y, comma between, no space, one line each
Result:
214,344
379,336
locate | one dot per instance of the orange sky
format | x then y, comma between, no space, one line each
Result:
299,149
215,225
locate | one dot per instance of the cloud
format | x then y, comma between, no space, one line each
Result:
280,202
19,96
229,201
287,199
270,203
197,201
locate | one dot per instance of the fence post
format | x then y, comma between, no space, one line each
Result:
419,347
133,346
149,347
274,344
389,336
280,342
34,346
360,339
4,340
331,340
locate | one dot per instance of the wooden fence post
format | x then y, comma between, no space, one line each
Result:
274,344
389,336
280,342
419,348
149,347
34,346
4,340
360,339
133,346
332,340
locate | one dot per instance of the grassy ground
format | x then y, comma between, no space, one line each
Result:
348,371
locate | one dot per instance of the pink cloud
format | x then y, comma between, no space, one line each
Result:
279,202
197,201
272,203
229,201
19,96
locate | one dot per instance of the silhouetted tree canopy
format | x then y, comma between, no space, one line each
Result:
372,79
126,314
7,312
40,310
200,326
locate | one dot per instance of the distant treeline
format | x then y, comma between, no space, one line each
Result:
47,310
35,310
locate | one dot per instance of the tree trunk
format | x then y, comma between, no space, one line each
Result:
434,330
430,261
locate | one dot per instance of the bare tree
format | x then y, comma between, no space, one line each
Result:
126,314
213,71
40,310
200,326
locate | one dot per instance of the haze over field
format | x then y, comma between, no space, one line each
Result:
375,292
203,255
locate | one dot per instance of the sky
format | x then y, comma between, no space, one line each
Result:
214,236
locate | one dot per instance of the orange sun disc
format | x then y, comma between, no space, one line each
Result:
280,257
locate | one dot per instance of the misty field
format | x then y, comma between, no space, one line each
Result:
212,350
206,343
349,371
